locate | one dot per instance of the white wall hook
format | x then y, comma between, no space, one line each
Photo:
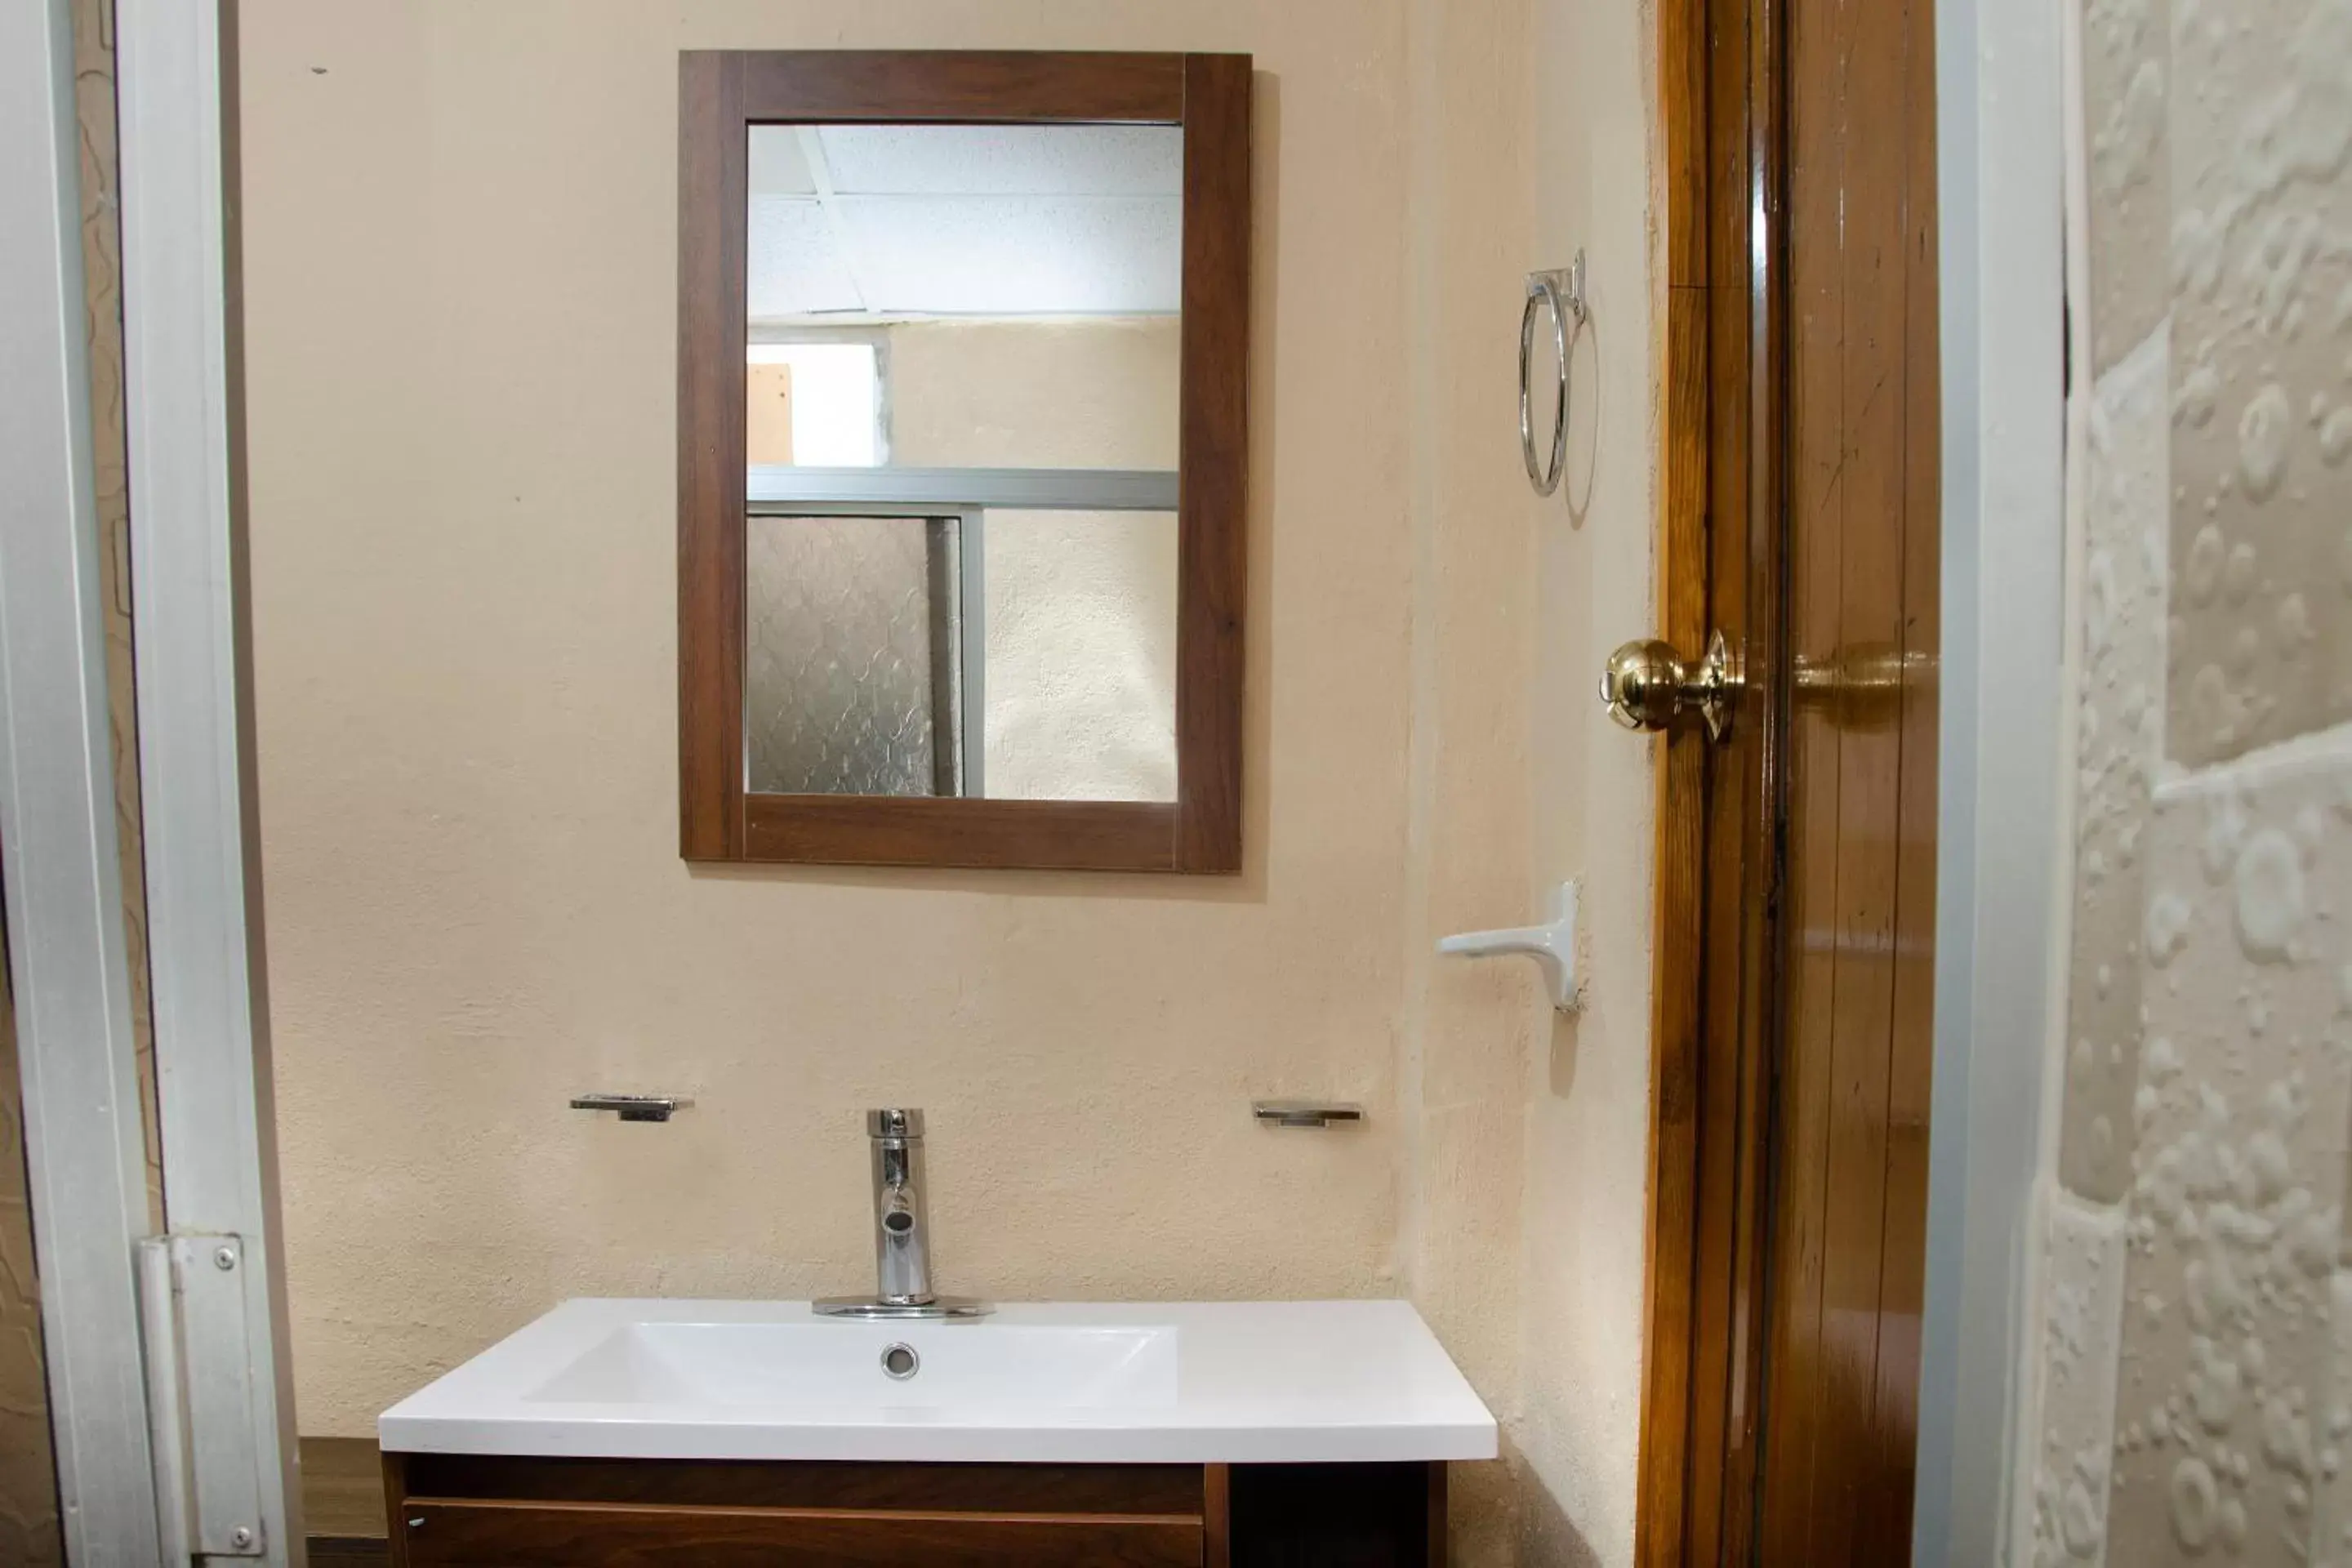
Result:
1551,945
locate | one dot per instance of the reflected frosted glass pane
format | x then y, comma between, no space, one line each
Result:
1080,685
849,656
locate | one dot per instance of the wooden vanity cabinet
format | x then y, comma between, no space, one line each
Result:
447,1510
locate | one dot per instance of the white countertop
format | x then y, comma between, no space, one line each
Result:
1180,1382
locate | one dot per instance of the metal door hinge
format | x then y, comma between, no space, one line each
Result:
200,1379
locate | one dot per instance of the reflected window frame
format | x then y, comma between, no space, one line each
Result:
964,497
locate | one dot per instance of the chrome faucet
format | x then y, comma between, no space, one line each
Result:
902,1231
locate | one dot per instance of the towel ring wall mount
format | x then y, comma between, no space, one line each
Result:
1561,293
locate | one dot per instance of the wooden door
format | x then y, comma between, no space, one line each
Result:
1849,1213
1796,859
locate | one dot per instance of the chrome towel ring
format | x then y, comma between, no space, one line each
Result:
1563,292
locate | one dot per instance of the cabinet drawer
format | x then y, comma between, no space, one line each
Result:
827,1486
455,1533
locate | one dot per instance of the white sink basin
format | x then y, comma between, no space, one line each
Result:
1194,1382
823,1362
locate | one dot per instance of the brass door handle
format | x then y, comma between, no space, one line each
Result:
1647,686
1865,686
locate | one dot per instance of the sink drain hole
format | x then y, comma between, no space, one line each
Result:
900,1361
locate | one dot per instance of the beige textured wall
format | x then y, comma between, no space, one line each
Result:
460,316
1035,394
1523,1227
463,562
1472,523
1584,1234
1080,672
2191,1394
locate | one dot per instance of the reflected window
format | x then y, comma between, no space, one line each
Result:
814,403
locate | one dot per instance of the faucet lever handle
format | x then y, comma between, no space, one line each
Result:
893,1123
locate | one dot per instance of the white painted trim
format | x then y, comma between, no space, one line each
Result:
85,1144
212,1050
774,486
1999,122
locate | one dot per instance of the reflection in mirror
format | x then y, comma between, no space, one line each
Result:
961,380
851,642
1023,655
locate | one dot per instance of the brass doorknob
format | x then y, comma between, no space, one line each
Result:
1647,686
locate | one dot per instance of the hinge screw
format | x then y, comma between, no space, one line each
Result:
240,1537
224,1258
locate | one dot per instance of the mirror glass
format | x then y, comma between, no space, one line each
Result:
962,379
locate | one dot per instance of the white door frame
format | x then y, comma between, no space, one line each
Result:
1999,916
84,1143
189,607
204,1464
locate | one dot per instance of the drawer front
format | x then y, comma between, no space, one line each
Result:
840,1485
449,1533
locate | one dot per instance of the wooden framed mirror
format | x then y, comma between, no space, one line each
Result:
962,444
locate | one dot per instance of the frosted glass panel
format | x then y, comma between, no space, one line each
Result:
850,651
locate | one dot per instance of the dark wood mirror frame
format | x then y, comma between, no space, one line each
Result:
723,93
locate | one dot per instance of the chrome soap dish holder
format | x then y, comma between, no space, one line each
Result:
634,1106
1305,1112
1561,293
